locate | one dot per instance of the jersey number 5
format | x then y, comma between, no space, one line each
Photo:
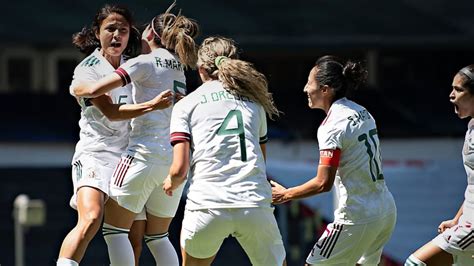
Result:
224,130
374,156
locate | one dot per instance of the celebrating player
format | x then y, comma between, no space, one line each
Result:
223,124
103,137
137,179
454,243
350,160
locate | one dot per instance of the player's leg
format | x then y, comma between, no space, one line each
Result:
258,234
136,235
455,241
91,180
157,240
429,254
161,209
382,231
90,203
202,234
342,244
129,190
117,223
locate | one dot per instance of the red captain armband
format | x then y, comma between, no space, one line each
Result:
123,76
330,157
177,137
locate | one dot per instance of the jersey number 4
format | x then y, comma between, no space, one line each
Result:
374,156
239,130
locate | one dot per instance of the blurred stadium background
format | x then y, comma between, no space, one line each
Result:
412,49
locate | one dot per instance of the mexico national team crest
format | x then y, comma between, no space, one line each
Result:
91,173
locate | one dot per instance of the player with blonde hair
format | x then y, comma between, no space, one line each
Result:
222,125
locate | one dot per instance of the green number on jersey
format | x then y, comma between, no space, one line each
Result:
374,159
179,87
122,99
223,130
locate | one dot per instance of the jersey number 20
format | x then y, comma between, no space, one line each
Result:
224,130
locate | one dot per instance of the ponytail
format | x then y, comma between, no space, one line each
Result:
341,77
218,56
85,41
177,33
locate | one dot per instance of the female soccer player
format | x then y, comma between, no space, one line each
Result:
145,164
456,238
350,160
102,137
223,125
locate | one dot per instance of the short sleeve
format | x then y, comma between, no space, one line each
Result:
179,125
330,136
82,74
136,69
263,126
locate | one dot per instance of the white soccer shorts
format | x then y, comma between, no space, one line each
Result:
459,241
343,244
136,184
91,172
256,230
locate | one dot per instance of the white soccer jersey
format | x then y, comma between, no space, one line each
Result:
97,133
225,131
468,160
150,75
359,183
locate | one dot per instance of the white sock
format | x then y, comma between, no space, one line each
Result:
414,261
162,250
66,262
119,246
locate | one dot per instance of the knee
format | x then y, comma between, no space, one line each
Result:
89,223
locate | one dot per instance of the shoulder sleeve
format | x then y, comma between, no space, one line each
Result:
83,74
330,135
263,126
135,69
179,125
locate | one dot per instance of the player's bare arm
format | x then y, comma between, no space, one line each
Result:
95,89
321,183
117,112
179,167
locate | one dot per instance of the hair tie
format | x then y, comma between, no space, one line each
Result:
466,72
218,61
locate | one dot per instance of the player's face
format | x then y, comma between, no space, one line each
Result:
313,91
113,35
461,98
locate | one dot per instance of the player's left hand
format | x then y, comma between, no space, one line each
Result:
172,183
168,186
278,193
178,96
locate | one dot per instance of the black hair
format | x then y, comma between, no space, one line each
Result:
86,40
342,77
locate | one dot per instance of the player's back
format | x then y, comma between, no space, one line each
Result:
227,166
360,184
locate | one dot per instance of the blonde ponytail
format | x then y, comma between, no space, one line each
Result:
176,33
218,56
